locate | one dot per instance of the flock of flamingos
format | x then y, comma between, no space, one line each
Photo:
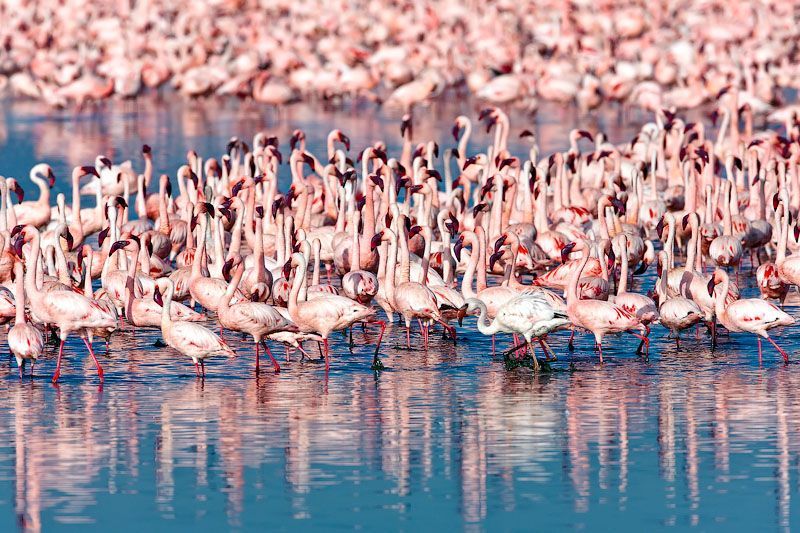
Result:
529,244
644,54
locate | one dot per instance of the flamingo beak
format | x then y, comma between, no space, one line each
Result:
17,229
685,221
462,312
457,247
87,171
494,258
226,270
168,189
119,245
102,236
499,242
455,131
566,250
146,149
237,187
287,269
70,240
18,246
19,192
157,297
711,285
345,139
660,228
375,241
796,233
106,161
413,231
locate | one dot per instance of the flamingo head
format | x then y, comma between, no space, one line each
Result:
405,126
119,245
527,134
432,173
168,189
452,224
69,238
660,228
478,208
413,231
17,188
296,138
456,129
157,297
17,230
470,161
226,269
287,269
17,246
494,258
205,207
344,139
101,237
277,204
619,205
376,240
237,187
500,242
458,246
566,250
377,180
119,201
462,312
146,150
796,233
105,161
685,221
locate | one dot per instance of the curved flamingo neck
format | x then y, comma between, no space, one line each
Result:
572,289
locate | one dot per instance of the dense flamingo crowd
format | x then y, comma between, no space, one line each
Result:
530,244
648,54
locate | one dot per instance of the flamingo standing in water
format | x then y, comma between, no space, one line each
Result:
24,340
67,310
529,315
327,313
254,318
752,315
599,316
188,338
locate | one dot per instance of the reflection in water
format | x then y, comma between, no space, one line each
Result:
441,437
390,443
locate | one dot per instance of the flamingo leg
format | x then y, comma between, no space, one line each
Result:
257,359
759,350
33,364
20,366
203,367
450,329
408,336
780,350
377,364
302,351
96,362
275,364
57,373
327,355
493,346
533,356
571,345
645,342
600,349
545,349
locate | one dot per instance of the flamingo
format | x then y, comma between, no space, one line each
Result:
529,315
751,315
24,340
325,314
599,316
188,338
256,319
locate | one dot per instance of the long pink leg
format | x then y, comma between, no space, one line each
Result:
780,350
408,337
327,355
203,367
20,368
196,369
600,349
33,364
57,373
759,350
376,362
96,362
257,362
271,358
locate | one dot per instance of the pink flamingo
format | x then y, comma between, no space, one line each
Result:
188,338
24,340
599,316
327,313
256,319
752,315
67,310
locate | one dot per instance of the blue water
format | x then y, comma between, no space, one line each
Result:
442,439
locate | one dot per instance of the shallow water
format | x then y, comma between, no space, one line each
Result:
448,437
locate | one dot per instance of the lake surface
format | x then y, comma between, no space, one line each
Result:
442,438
